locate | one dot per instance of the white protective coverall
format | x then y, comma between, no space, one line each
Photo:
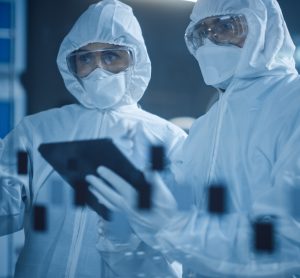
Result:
248,141
68,247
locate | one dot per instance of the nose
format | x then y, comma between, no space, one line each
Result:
98,62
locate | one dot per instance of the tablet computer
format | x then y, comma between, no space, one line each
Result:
76,159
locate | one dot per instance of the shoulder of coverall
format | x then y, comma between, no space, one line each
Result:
162,124
52,122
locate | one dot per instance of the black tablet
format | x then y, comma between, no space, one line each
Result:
76,159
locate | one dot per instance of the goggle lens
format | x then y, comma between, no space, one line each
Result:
221,30
82,62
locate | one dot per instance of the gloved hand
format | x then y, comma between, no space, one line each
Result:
112,239
122,196
113,247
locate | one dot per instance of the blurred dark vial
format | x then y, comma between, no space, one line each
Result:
145,196
158,162
40,218
22,159
264,241
217,199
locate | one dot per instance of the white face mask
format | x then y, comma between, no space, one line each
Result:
218,63
103,89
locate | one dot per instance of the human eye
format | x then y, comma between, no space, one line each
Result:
85,58
201,30
110,57
225,26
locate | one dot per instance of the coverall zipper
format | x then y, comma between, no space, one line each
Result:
216,139
76,242
101,132
79,230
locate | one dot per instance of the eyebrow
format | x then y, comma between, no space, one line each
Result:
105,47
81,50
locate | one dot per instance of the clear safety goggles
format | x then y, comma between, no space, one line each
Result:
221,30
82,62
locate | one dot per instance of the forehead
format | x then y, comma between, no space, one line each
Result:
98,45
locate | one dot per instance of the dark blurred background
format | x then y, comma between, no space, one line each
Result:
176,88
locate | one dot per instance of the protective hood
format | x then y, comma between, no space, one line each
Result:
108,21
268,49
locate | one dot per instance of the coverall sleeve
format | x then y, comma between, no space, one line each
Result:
223,245
14,190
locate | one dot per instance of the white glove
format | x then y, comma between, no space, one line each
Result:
123,197
108,240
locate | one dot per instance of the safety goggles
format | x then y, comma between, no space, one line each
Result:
229,29
82,62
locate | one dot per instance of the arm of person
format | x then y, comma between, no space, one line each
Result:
151,255
132,257
122,256
213,245
14,192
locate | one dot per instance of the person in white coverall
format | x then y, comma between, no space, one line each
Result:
104,64
249,142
